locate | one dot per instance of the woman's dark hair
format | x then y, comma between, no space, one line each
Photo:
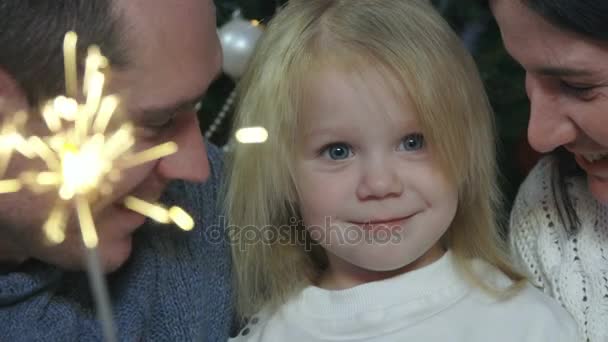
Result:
586,17
31,40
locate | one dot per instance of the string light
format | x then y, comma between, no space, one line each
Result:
251,135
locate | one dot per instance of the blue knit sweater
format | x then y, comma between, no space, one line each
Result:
175,286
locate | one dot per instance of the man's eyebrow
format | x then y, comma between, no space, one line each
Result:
177,107
173,108
562,72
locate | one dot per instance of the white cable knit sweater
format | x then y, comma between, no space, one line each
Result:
573,268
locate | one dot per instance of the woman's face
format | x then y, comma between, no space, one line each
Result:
567,84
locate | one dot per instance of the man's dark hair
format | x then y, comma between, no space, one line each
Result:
31,40
589,18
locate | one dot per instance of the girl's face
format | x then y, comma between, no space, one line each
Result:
370,191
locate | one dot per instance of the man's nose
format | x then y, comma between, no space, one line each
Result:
190,161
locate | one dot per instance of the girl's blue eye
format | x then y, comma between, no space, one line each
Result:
413,142
337,151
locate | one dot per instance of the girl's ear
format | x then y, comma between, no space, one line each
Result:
12,97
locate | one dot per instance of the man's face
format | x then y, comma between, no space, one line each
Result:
175,55
567,83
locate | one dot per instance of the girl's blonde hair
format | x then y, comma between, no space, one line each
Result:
407,38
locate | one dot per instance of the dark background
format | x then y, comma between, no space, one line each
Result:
472,20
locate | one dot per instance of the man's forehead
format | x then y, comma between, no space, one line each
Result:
176,53
160,13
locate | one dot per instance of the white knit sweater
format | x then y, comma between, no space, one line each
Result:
571,267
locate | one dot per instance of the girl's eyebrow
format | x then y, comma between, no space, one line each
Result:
316,132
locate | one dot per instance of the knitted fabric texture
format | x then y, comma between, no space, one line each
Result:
175,286
571,267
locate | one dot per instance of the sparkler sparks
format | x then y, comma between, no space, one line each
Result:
81,156
11,140
82,159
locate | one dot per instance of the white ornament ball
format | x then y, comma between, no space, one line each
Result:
238,38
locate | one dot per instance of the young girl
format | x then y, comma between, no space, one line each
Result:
368,214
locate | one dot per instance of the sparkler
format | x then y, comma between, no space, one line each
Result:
10,139
82,159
